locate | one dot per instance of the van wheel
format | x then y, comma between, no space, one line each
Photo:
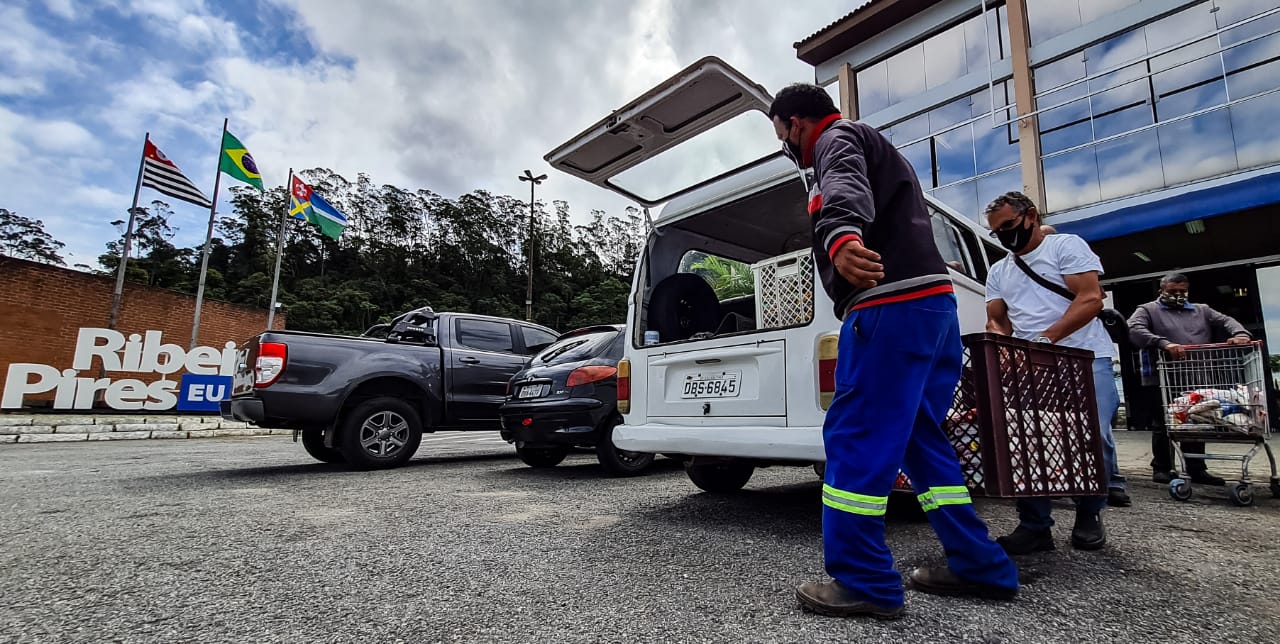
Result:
313,442
619,462
719,477
542,457
380,433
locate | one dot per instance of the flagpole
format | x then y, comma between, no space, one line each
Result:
118,294
275,281
208,240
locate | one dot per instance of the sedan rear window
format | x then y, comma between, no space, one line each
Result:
576,348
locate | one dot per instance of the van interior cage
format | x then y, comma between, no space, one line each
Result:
784,290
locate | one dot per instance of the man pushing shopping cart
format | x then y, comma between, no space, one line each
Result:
1210,393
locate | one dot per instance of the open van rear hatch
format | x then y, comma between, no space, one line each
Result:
697,99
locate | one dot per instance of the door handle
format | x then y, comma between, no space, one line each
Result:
469,360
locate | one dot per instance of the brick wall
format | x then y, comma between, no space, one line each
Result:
43,307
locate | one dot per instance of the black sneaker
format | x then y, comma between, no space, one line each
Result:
1205,478
1163,477
1088,533
1024,541
1118,499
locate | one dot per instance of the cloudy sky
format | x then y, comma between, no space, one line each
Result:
447,96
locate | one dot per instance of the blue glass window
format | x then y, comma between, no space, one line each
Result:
1253,124
962,49
1071,180
1129,165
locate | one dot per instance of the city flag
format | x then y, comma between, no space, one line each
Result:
307,204
163,176
237,162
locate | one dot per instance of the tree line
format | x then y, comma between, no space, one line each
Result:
402,249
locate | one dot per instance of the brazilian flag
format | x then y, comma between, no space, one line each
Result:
237,162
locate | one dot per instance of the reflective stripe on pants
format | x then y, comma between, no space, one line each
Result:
854,503
936,497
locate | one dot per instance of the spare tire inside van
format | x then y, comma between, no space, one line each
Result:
683,305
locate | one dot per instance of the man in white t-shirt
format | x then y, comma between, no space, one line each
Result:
1018,306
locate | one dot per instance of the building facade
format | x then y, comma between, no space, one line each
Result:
1148,127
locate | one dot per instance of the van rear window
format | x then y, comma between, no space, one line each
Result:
729,278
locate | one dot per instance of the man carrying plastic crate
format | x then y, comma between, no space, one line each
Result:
898,365
1022,302
1168,324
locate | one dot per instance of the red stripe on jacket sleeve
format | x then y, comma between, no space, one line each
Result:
840,242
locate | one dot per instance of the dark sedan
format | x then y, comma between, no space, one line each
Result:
568,397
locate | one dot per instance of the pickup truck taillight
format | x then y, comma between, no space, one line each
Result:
270,364
588,375
828,350
624,386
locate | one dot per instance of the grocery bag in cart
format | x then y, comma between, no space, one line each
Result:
1216,393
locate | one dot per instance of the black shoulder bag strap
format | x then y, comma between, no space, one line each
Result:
1040,279
1114,323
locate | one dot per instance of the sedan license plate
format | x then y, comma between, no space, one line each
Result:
711,385
531,391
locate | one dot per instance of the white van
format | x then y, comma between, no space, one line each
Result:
741,371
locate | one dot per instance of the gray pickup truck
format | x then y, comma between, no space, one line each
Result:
366,401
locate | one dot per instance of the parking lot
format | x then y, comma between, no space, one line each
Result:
248,539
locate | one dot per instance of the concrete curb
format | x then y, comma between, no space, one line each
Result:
62,428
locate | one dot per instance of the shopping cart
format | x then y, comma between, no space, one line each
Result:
1216,394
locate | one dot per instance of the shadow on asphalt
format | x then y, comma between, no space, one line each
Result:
317,468
797,506
580,467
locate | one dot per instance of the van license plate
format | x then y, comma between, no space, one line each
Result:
711,385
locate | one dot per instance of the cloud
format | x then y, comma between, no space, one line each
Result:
29,56
449,98
61,137
61,8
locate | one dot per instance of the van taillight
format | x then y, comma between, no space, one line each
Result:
270,363
624,386
828,350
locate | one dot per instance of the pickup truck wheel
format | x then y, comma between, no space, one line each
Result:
542,457
313,442
619,462
719,477
380,433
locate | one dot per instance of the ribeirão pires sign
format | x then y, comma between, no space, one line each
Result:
207,379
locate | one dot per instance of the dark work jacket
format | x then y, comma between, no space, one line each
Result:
865,190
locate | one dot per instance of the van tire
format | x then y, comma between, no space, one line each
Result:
728,476
313,442
542,457
617,462
397,418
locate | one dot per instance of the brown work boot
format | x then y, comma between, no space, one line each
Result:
833,600
941,581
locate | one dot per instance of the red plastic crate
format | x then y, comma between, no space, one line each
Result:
1024,422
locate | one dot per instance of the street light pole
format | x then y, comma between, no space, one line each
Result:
528,294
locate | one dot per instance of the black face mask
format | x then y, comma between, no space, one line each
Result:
1016,238
792,150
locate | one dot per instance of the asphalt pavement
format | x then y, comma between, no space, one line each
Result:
248,540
